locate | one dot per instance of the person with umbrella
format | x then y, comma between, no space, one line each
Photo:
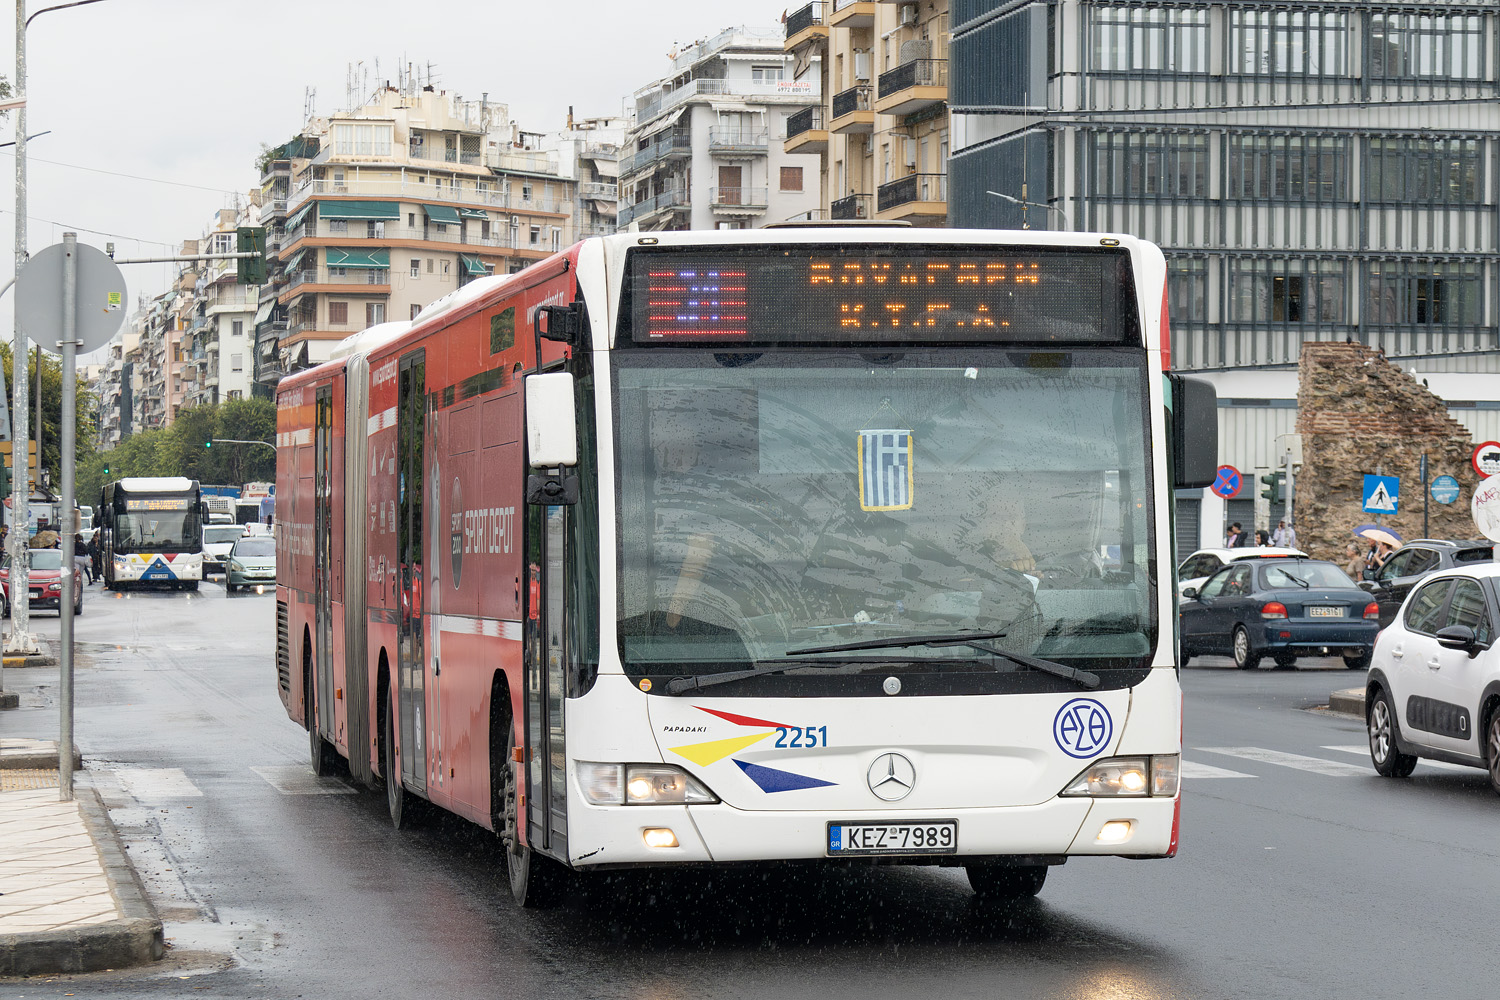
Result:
1382,543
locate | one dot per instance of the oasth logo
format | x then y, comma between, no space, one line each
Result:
1082,728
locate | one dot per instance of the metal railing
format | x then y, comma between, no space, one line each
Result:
677,141
412,191
806,120
854,206
657,203
800,20
737,197
735,88
811,215
596,189
846,102
917,73
913,188
739,140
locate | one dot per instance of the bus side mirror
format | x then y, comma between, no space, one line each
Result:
565,324
1195,433
551,439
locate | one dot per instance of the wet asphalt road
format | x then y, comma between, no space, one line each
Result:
1299,876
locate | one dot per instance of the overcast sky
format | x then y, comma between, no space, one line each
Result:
180,94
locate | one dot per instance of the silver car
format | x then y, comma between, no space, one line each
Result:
251,562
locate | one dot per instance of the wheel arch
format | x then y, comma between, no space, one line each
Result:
308,721
1489,704
382,707
501,717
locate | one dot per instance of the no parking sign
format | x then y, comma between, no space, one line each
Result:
1227,483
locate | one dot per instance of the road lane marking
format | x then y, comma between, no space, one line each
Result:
1193,769
1315,765
298,779
148,784
1441,765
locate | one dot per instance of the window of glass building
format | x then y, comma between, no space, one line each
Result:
1426,293
1423,45
1289,41
1150,164
1427,171
1159,39
1187,289
1289,166
1288,291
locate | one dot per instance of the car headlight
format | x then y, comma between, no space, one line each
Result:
1139,777
236,566
55,586
640,784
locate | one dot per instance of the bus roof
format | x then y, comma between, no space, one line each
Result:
156,484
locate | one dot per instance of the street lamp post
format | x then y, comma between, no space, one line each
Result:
21,640
1033,204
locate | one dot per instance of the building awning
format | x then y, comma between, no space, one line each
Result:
345,257
264,312
473,213
473,265
359,210
294,260
296,220
441,213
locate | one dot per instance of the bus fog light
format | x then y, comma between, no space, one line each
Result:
663,784
1116,831
602,784
1127,776
1166,775
662,837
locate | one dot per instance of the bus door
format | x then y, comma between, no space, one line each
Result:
411,689
546,680
322,575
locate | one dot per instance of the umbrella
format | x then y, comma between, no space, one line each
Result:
1376,534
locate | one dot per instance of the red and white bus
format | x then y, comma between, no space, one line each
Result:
801,543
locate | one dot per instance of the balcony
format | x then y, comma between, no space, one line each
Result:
800,90
806,26
915,198
410,190
737,200
913,86
600,191
852,14
852,112
805,132
855,206
739,140
675,143
666,201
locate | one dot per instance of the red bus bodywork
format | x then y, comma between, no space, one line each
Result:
465,600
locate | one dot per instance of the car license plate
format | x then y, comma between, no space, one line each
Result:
925,837
1325,612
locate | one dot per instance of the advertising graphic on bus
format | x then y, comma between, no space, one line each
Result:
151,532
818,544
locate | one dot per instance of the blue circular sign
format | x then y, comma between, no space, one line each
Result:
1083,728
1227,483
1444,489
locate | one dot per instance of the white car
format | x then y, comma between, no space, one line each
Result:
218,539
1434,684
1198,567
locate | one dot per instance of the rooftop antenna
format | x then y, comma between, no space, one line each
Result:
309,103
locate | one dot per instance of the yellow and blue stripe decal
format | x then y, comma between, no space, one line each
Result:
768,779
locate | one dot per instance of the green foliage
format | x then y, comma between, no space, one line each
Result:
178,450
85,412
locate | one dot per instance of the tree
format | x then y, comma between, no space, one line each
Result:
85,412
183,449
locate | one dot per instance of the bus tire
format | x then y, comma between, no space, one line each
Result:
191,585
396,799
536,882
999,881
321,753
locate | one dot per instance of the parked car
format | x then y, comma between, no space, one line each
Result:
218,539
1282,608
1434,684
1198,567
44,580
251,561
1415,561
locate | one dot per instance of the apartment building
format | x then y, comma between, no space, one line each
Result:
589,152
883,132
113,385
704,149
373,213
218,345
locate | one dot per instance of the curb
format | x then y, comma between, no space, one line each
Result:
1348,702
133,939
29,661
10,699
45,760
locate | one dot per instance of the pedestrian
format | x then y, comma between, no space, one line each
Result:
96,556
1284,536
1354,563
1261,538
1235,537
81,561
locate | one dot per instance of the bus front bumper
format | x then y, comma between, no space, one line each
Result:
617,835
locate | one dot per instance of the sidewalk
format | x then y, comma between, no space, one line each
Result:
69,898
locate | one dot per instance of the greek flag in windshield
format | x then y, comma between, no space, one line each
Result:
885,470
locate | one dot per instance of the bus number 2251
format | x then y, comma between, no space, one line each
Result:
801,736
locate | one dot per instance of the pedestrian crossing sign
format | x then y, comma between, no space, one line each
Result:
1382,494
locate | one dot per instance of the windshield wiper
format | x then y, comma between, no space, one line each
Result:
974,640
1297,580
677,685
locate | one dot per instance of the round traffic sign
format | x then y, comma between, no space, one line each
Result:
1486,508
1444,489
1487,459
99,297
1227,483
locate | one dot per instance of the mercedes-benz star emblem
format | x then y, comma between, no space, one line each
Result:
892,777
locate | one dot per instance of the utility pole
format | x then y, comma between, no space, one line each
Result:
20,639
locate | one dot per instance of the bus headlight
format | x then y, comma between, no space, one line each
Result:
1137,777
640,784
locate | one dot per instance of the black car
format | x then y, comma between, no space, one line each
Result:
1415,560
1281,608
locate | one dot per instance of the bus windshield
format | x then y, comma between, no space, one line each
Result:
157,531
777,501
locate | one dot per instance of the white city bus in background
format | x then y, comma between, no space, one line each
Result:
822,544
151,532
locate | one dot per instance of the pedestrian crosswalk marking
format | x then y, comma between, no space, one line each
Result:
149,784
298,779
1316,765
1193,769
1441,765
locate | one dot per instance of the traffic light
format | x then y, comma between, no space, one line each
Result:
209,443
1275,490
251,270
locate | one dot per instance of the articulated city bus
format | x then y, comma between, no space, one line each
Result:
152,532
796,544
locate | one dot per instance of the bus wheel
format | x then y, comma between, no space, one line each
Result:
395,795
537,883
995,881
191,585
323,756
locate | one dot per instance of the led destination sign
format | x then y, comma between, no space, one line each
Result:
879,294
159,503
